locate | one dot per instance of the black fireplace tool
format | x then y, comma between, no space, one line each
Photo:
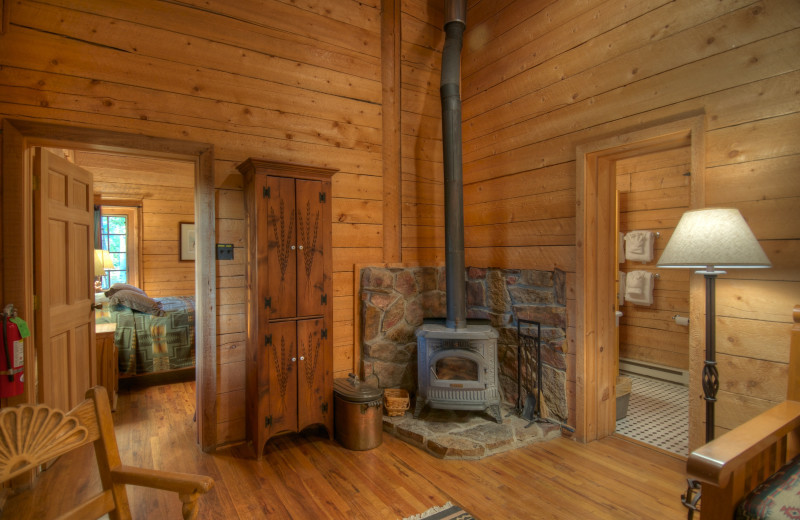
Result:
531,410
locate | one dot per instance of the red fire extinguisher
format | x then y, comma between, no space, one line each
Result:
12,359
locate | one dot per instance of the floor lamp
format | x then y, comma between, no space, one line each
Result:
711,239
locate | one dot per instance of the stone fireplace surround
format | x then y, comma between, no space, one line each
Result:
395,300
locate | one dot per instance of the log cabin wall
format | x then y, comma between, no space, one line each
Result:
653,194
541,77
267,79
164,190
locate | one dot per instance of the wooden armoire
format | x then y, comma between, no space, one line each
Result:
289,359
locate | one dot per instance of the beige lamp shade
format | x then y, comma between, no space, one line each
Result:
713,238
102,261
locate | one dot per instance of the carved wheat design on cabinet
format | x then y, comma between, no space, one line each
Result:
31,435
283,238
304,230
311,363
281,366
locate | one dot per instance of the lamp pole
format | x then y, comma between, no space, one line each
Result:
710,373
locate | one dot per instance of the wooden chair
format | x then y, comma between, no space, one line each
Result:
31,435
731,466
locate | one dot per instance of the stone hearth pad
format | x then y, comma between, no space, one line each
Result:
456,434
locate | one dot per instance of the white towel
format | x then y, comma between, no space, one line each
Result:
639,246
639,288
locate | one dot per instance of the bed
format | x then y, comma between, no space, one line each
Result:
152,335
753,471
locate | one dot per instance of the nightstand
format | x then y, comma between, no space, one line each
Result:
107,363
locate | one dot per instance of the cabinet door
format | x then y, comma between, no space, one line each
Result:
310,253
312,406
281,247
281,364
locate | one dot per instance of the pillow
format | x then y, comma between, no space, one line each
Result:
123,287
136,301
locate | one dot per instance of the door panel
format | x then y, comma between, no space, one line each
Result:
283,376
281,247
311,350
64,322
310,253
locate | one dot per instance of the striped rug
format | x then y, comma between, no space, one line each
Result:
445,512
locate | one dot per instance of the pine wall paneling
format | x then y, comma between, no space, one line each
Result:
543,77
257,79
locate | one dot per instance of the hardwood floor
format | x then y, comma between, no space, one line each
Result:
310,477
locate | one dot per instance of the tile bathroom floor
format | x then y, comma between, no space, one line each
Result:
658,414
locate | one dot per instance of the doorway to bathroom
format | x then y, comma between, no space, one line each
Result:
635,364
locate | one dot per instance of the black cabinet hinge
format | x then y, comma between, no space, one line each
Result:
324,407
322,196
324,333
267,421
268,302
267,339
323,299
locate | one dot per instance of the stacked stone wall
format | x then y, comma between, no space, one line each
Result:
395,301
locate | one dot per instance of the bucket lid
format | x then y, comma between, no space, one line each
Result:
353,389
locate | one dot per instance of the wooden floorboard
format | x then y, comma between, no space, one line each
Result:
309,476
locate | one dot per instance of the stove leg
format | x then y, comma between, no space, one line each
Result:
418,407
494,411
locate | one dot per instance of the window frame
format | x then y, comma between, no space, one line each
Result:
133,211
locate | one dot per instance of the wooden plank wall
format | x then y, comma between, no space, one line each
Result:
542,76
165,190
654,193
421,132
274,79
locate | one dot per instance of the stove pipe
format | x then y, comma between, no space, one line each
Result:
454,25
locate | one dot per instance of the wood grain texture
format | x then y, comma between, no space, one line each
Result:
309,476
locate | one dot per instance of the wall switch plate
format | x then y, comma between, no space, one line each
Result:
224,251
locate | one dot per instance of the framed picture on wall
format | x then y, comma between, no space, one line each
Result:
187,240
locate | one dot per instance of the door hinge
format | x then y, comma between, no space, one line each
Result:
323,299
322,196
268,302
324,333
36,302
267,421
35,182
324,407
265,192
267,339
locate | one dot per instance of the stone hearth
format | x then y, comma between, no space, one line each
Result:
452,434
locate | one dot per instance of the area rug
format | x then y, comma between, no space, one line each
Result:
445,512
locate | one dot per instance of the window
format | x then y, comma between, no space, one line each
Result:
119,234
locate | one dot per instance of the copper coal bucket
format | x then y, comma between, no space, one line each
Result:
358,417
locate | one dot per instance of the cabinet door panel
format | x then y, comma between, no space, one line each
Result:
283,376
311,349
281,246
310,253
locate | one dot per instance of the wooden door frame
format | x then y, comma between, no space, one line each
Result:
17,209
595,352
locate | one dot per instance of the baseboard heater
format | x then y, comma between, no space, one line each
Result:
643,368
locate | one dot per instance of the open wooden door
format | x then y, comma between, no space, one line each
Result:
63,252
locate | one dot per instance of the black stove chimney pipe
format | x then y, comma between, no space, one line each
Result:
454,25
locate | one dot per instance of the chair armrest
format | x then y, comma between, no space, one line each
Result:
713,463
183,483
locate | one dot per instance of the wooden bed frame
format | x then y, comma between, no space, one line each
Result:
733,465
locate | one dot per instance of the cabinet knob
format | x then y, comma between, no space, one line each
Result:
294,359
300,248
293,248
302,358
